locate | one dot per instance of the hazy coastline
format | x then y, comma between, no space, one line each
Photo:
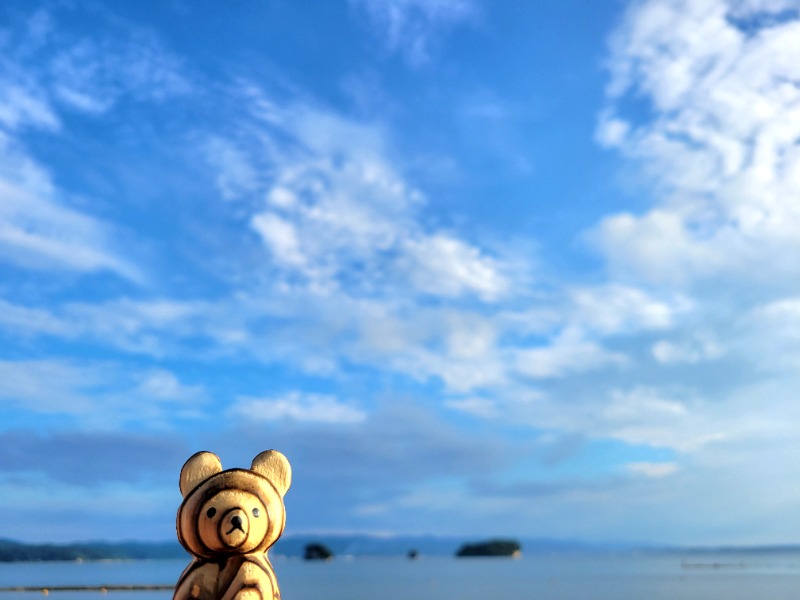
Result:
354,545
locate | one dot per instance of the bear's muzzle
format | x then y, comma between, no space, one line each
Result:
234,527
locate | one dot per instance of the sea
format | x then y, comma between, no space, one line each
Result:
598,576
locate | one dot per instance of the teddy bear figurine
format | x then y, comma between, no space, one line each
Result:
227,521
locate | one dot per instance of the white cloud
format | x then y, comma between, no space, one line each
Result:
162,385
312,331
280,236
615,308
569,353
714,130
445,266
658,246
298,407
718,138
337,215
466,350
458,374
653,469
698,348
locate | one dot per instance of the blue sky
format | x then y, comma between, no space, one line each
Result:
476,268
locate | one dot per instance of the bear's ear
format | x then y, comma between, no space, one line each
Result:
197,469
274,466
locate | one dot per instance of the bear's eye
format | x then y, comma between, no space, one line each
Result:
256,512
211,512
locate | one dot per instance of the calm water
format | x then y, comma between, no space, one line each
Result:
600,577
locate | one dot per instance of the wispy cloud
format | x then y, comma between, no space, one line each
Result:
38,231
236,175
102,396
45,65
412,27
339,216
44,72
299,407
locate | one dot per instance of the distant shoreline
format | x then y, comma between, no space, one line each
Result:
14,551
352,545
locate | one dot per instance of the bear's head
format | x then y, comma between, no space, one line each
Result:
237,511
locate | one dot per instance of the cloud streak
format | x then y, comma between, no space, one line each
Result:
411,27
40,228
99,395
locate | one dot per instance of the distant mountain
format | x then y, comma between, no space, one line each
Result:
288,545
13,551
341,545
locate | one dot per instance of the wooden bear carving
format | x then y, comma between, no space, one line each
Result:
227,521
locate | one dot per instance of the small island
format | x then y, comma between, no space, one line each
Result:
317,551
507,548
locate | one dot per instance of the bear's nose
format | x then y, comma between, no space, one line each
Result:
236,523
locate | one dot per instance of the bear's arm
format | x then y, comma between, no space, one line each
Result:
254,580
198,582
